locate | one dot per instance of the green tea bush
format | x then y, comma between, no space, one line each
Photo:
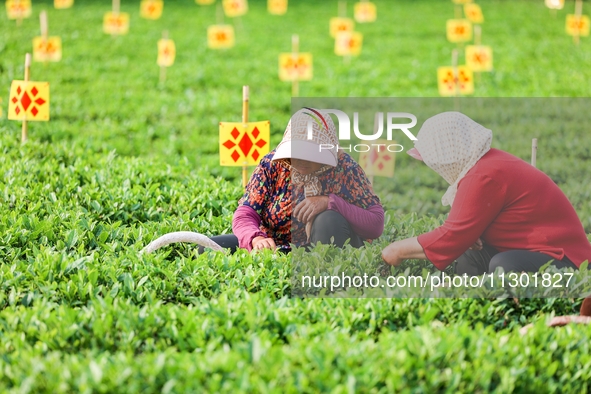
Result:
123,161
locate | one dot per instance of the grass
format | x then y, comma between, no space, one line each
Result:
124,160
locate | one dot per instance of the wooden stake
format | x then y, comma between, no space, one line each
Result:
44,32
19,20
163,68
343,14
295,48
579,8
244,121
220,14
578,13
245,96
162,79
44,25
347,59
534,151
27,66
454,66
376,126
115,11
459,14
477,41
342,9
27,72
239,25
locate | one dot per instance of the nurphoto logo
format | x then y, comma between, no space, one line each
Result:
392,124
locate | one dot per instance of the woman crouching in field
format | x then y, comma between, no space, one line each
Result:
300,194
504,212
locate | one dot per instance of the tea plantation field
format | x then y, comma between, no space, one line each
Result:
124,160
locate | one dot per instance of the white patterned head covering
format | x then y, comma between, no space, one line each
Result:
451,143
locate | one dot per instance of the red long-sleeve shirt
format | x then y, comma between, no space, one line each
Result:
510,205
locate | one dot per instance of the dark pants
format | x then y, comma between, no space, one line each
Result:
328,227
478,262
226,241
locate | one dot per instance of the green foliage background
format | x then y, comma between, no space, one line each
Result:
124,160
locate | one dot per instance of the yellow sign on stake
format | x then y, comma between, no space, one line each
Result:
29,100
339,25
295,67
166,52
63,4
479,58
220,36
277,7
365,11
18,9
47,49
473,13
234,8
116,24
243,144
459,30
577,25
378,161
348,43
451,85
151,9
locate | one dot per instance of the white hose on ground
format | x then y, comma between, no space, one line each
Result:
181,236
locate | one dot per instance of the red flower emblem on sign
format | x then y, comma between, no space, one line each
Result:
244,144
27,100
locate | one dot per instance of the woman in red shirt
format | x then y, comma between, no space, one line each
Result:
504,212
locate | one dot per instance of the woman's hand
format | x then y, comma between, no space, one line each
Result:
310,207
391,256
410,248
263,243
477,245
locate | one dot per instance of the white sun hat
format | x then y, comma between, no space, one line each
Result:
297,144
